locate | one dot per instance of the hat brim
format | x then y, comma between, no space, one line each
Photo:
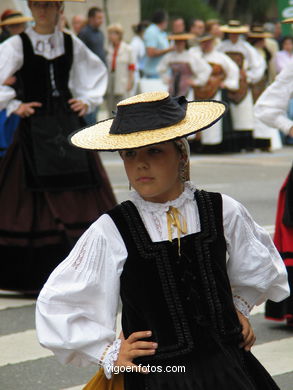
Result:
199,116
16,20
234,30
288,20
61,1
180,37
260,35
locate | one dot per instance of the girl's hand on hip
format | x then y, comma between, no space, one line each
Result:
247,332
27,109
132,348
78,106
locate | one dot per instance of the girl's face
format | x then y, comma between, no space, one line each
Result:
234,37
114,37
45,13
153,171
288,45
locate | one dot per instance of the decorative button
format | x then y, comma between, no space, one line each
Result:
188,298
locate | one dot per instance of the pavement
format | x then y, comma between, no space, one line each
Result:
253,179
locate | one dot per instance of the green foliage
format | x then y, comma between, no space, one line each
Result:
188,9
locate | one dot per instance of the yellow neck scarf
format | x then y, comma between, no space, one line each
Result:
173,219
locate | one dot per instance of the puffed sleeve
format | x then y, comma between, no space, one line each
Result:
77,307
232,72
200,68
255,268
88,77
256,64
271,107
11,60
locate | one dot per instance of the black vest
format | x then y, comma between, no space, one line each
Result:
174,295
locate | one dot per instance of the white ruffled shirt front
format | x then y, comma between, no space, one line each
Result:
77,308
88,76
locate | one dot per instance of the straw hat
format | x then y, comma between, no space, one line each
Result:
181,37
288,20
13,17
258,32
149,118
234,27
205,37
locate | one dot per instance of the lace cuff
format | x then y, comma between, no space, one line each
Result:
109,357
242,305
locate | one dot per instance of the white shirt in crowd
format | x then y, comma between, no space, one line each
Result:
88,75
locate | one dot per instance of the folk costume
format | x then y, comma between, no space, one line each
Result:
224,76
167,261
177,69
50,191
265,137
252,68
271,108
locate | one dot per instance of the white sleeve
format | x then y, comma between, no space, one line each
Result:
77,307
11,60
271,107
255,269
163,68
201,70
256,64
232,73
88,77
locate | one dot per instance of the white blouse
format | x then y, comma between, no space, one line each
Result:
254,63
77,308
272,106
88,75
231,70
200,68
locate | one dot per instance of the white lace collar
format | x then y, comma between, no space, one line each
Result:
161,208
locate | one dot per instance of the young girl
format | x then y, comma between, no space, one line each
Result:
50,191
164,253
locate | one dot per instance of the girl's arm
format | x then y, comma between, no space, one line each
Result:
255,268
76,309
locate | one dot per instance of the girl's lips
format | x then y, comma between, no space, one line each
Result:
144,179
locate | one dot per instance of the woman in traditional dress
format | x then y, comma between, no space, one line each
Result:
181,69
271,108
164,253
225,76
50,191
252,67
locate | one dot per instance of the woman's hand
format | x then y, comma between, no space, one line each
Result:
132,348
78,106
27,109
247,332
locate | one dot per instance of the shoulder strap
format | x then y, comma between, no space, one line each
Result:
68,46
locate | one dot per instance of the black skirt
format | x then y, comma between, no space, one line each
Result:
210,366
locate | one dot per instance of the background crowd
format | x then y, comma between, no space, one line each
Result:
196,58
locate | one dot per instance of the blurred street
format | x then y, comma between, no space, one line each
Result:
252,178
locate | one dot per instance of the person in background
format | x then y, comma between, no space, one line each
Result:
12,23
178,26
182,69
77,23
138,49
121,66
156,43
252,67
50,193
213,27
224,77
285,55
197,28
93,38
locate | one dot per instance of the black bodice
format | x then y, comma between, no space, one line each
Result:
173,295
42,79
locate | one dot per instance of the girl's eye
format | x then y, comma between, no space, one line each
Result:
129,153
154,151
